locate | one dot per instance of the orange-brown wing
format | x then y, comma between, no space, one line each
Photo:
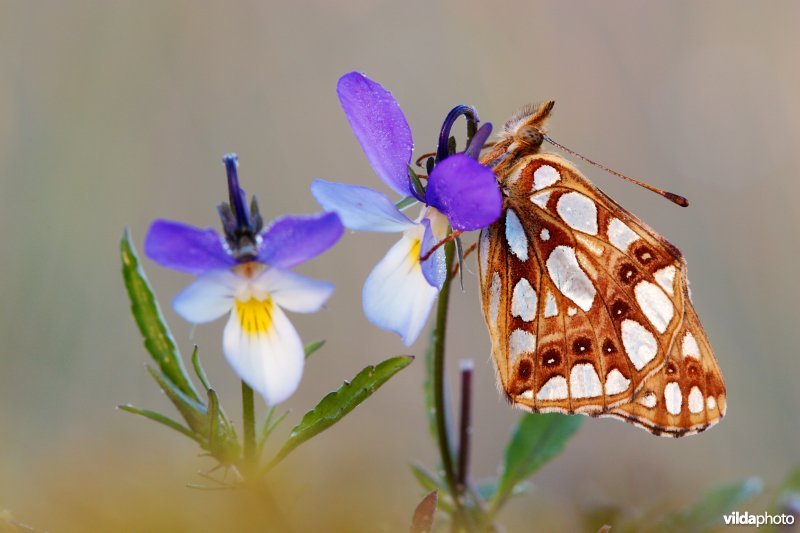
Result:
687,395
578,294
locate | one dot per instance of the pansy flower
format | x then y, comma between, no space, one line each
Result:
460,194
247,274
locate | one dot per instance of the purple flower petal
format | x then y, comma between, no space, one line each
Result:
360,208
186,248
466,192
292,240
380,127
435,267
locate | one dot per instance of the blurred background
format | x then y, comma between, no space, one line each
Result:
116,113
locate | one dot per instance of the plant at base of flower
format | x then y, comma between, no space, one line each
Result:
247,275
461,194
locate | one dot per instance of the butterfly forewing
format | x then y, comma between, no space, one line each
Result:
586,305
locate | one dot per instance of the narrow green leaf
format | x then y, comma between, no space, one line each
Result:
405,203
199,370
337,404
537,439
312,347
222,441
192,411
426,479
416,183
162,419
429,482
708,511
157,337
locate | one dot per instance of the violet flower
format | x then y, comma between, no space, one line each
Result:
461,194
247,275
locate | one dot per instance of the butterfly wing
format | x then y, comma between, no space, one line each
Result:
579,295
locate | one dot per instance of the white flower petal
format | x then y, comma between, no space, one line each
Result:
293,291
360,208
396,295
264,349
209,297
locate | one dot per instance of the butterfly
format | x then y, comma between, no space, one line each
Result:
588,308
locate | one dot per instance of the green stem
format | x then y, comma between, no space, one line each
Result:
249,423
439,401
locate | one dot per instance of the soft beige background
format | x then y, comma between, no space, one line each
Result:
115,113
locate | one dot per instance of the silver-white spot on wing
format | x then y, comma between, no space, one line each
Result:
584,381
524,301
620,235
494,298
569,278
616,382
554,389
578,211
696,403
484,251
541,199
545,176
673,398
639,344
648,400
689,346
666,278
550,308
516,236
520,342
655,304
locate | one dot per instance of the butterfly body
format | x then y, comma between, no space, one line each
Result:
587,307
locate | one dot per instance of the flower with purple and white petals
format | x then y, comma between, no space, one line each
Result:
247,274
461,194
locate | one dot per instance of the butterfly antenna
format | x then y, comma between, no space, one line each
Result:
671,196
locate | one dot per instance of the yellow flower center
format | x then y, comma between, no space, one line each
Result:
255,316
413,254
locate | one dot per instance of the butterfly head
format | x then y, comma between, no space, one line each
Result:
527,127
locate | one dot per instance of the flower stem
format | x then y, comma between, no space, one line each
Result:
465,424
443,436
249,423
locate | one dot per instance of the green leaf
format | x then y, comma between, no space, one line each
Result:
312,347
426,479
416,183
406,202
537,439
708,511
162,419
157,337
199,370
337,404
430,482
193,412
